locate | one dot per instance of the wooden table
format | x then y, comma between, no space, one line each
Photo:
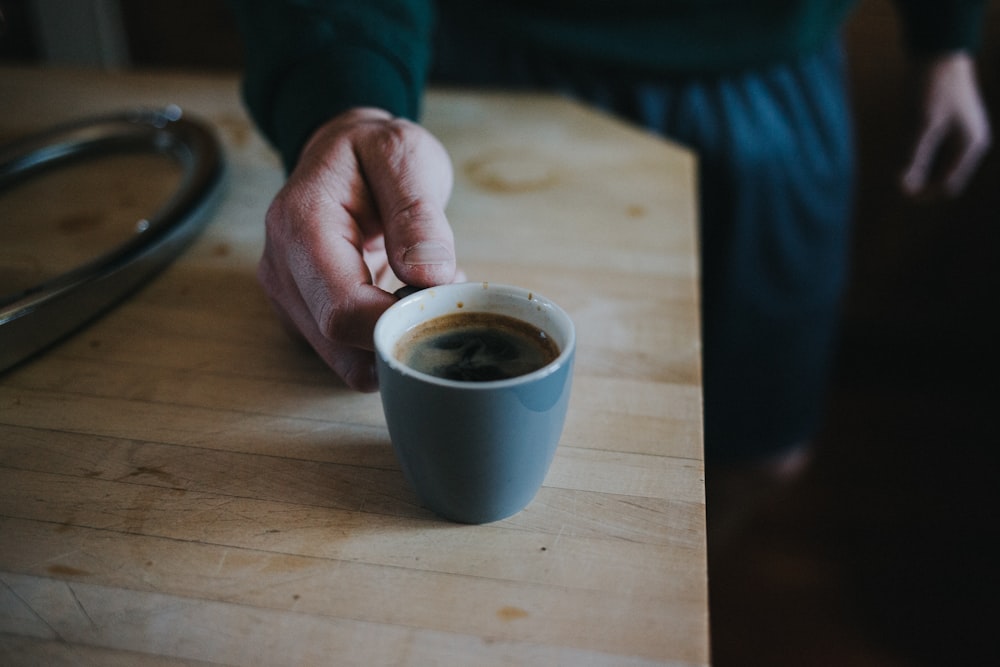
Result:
182,482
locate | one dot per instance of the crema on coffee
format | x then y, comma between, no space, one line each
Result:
476,347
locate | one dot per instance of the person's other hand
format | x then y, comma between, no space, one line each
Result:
363,210
955,133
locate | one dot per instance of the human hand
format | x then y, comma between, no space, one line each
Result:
364,207
953,112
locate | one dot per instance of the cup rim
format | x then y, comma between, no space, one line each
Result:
566,350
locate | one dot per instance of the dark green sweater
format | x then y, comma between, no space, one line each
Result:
310,59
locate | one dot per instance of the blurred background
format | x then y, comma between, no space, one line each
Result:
884,554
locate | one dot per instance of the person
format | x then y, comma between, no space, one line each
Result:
756,88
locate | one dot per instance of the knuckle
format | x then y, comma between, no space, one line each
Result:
330,318
356,372
333,315
277,219
291,225
396,140
409,213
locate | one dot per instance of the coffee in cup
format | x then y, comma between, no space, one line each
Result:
476,347
475,382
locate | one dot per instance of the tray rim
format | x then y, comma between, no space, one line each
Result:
35,318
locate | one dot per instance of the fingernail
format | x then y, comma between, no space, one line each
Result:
427,253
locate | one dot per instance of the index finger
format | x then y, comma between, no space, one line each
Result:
320,248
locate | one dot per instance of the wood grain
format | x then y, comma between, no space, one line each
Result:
182,483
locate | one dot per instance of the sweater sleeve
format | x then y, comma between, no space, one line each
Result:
308,60
932,26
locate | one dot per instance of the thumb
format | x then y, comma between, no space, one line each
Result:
410,177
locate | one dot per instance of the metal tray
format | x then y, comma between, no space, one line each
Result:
35,318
